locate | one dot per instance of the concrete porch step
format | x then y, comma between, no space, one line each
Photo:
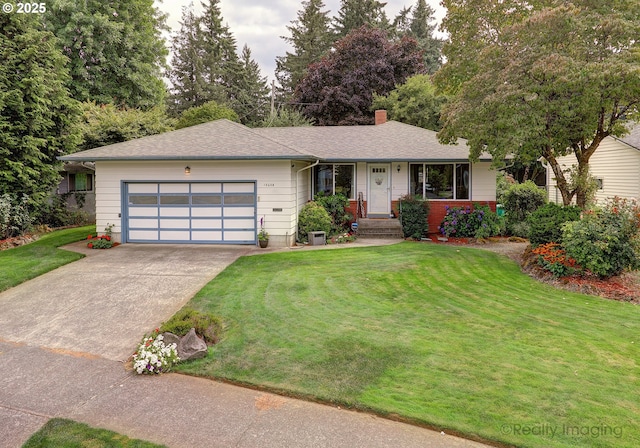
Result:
379,228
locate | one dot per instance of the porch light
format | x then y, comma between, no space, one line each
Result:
187,170
398,168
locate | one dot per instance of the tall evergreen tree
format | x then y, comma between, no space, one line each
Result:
311,38
37,113
252,92
115,49
222,68
421,28
206,67
353,14
187,72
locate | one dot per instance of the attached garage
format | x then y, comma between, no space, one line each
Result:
189,212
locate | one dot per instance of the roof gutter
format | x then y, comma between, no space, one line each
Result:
296,198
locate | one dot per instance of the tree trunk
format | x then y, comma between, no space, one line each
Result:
561,181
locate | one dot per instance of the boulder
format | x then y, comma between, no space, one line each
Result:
170,338
191,346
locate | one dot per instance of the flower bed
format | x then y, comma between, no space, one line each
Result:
101,241
153,356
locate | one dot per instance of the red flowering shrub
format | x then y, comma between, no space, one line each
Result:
554,259
101,241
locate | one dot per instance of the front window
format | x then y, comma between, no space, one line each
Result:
334,179
81,182
440,181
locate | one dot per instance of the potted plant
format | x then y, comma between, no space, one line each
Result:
263,238
263,235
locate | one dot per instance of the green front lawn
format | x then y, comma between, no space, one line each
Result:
454,338
62,433
31,260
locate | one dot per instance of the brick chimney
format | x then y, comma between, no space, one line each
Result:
381,117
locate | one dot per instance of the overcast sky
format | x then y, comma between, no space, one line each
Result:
260,23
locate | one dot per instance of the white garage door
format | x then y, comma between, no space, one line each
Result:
195,212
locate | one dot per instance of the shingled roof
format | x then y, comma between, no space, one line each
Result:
385,142
633,138
225,140
220,139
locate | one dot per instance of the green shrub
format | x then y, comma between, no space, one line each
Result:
545,224
207,325
335,205
413,216
479,222
14,215
606,241
519,201
313,218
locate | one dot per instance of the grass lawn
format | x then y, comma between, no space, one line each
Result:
31,260
454,338
61,433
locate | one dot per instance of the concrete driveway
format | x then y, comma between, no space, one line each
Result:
103,304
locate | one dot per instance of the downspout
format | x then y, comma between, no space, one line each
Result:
297,182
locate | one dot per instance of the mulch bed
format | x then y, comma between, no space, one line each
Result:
21,240
625,287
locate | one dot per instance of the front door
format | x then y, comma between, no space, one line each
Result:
379,203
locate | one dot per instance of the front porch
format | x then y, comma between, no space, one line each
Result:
380,228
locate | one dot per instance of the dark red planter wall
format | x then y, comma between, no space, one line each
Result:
437,210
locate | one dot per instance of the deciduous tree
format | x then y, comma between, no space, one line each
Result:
545,83
339,89
115,49
414,102
202,114
106,124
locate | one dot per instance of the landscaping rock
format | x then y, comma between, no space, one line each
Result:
191,347
170,338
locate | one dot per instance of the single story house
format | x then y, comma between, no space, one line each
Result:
615,165
220,181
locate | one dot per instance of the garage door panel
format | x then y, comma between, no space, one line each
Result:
240,187
175,235
140,223
142,199
239,235
199,235
175,224
143,188
173,199
208,212
213,212
206,199
239,224
206,224
143,211
206,188
175,212
143,235
239,212
174,188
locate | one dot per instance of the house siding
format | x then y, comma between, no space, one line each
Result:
615,162
274,184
